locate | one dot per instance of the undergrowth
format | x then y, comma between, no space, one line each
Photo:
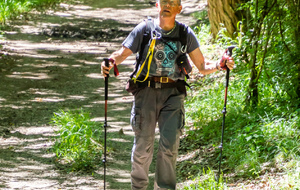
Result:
258,140
79,140
11,9
207,181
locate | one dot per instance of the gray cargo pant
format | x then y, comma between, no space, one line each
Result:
152,106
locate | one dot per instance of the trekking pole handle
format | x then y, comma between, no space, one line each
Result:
229,50
106,60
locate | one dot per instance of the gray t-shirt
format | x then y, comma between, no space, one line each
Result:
165,53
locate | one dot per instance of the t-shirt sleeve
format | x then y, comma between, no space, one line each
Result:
192,41
135,38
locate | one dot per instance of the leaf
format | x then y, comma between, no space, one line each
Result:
248,138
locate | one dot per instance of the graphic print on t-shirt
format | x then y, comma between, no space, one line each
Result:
165,57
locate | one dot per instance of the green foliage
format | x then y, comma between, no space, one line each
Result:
203,34
79,141
11,9
268,46
207,181
263,117
201,16
202,28
251,138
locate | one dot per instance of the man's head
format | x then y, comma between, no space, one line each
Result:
178,1
169,8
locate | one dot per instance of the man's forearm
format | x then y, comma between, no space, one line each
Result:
206,68
120,55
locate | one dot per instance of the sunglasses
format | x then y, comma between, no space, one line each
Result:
170,2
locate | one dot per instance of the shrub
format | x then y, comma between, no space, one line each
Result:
79,140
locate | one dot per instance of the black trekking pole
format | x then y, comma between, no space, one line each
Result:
116,72
106,60
228,52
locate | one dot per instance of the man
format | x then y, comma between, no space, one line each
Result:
159,93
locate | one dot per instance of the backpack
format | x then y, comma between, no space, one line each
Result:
182,60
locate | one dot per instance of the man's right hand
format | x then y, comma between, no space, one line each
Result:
104,69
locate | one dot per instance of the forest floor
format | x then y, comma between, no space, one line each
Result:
51,62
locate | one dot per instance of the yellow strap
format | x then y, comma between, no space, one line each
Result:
149,56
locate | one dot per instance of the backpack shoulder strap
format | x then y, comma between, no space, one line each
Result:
146,38
183,36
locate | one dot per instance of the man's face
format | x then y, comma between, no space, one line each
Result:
168,8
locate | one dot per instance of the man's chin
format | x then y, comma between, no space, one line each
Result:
166,14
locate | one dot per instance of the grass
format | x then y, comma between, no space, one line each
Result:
11,9
79,140
256,141
206,181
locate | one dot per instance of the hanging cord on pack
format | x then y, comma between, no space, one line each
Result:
154,36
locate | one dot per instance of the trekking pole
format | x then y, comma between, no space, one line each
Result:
228,52
116,72
105,118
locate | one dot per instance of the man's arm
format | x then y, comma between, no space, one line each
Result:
206,68
118,56
199,61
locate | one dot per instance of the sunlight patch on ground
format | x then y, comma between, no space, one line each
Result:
34,130
95,75
40,91
49,99
123,180
101,119
33,167
119,140
76,97
27,48
62,14
29,75
9,142
188,156
90,63
35,184
14,106
48,64
79,7
106,13
118,172
44,145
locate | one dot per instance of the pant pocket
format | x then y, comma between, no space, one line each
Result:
182,120
135,120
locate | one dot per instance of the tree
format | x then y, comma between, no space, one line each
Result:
271,48
270,45
294,8
225,12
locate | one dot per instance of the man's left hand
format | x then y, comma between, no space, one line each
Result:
226,61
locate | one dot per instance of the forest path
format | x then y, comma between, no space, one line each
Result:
52,63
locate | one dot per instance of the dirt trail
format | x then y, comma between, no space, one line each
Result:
52,63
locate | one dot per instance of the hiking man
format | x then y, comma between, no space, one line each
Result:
158,87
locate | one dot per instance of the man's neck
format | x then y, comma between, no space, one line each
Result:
166,23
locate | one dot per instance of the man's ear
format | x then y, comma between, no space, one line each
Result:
179,9
156,4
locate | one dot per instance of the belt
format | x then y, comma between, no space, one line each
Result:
161,79
151,83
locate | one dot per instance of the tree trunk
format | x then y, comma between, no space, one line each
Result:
224,11
294,7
